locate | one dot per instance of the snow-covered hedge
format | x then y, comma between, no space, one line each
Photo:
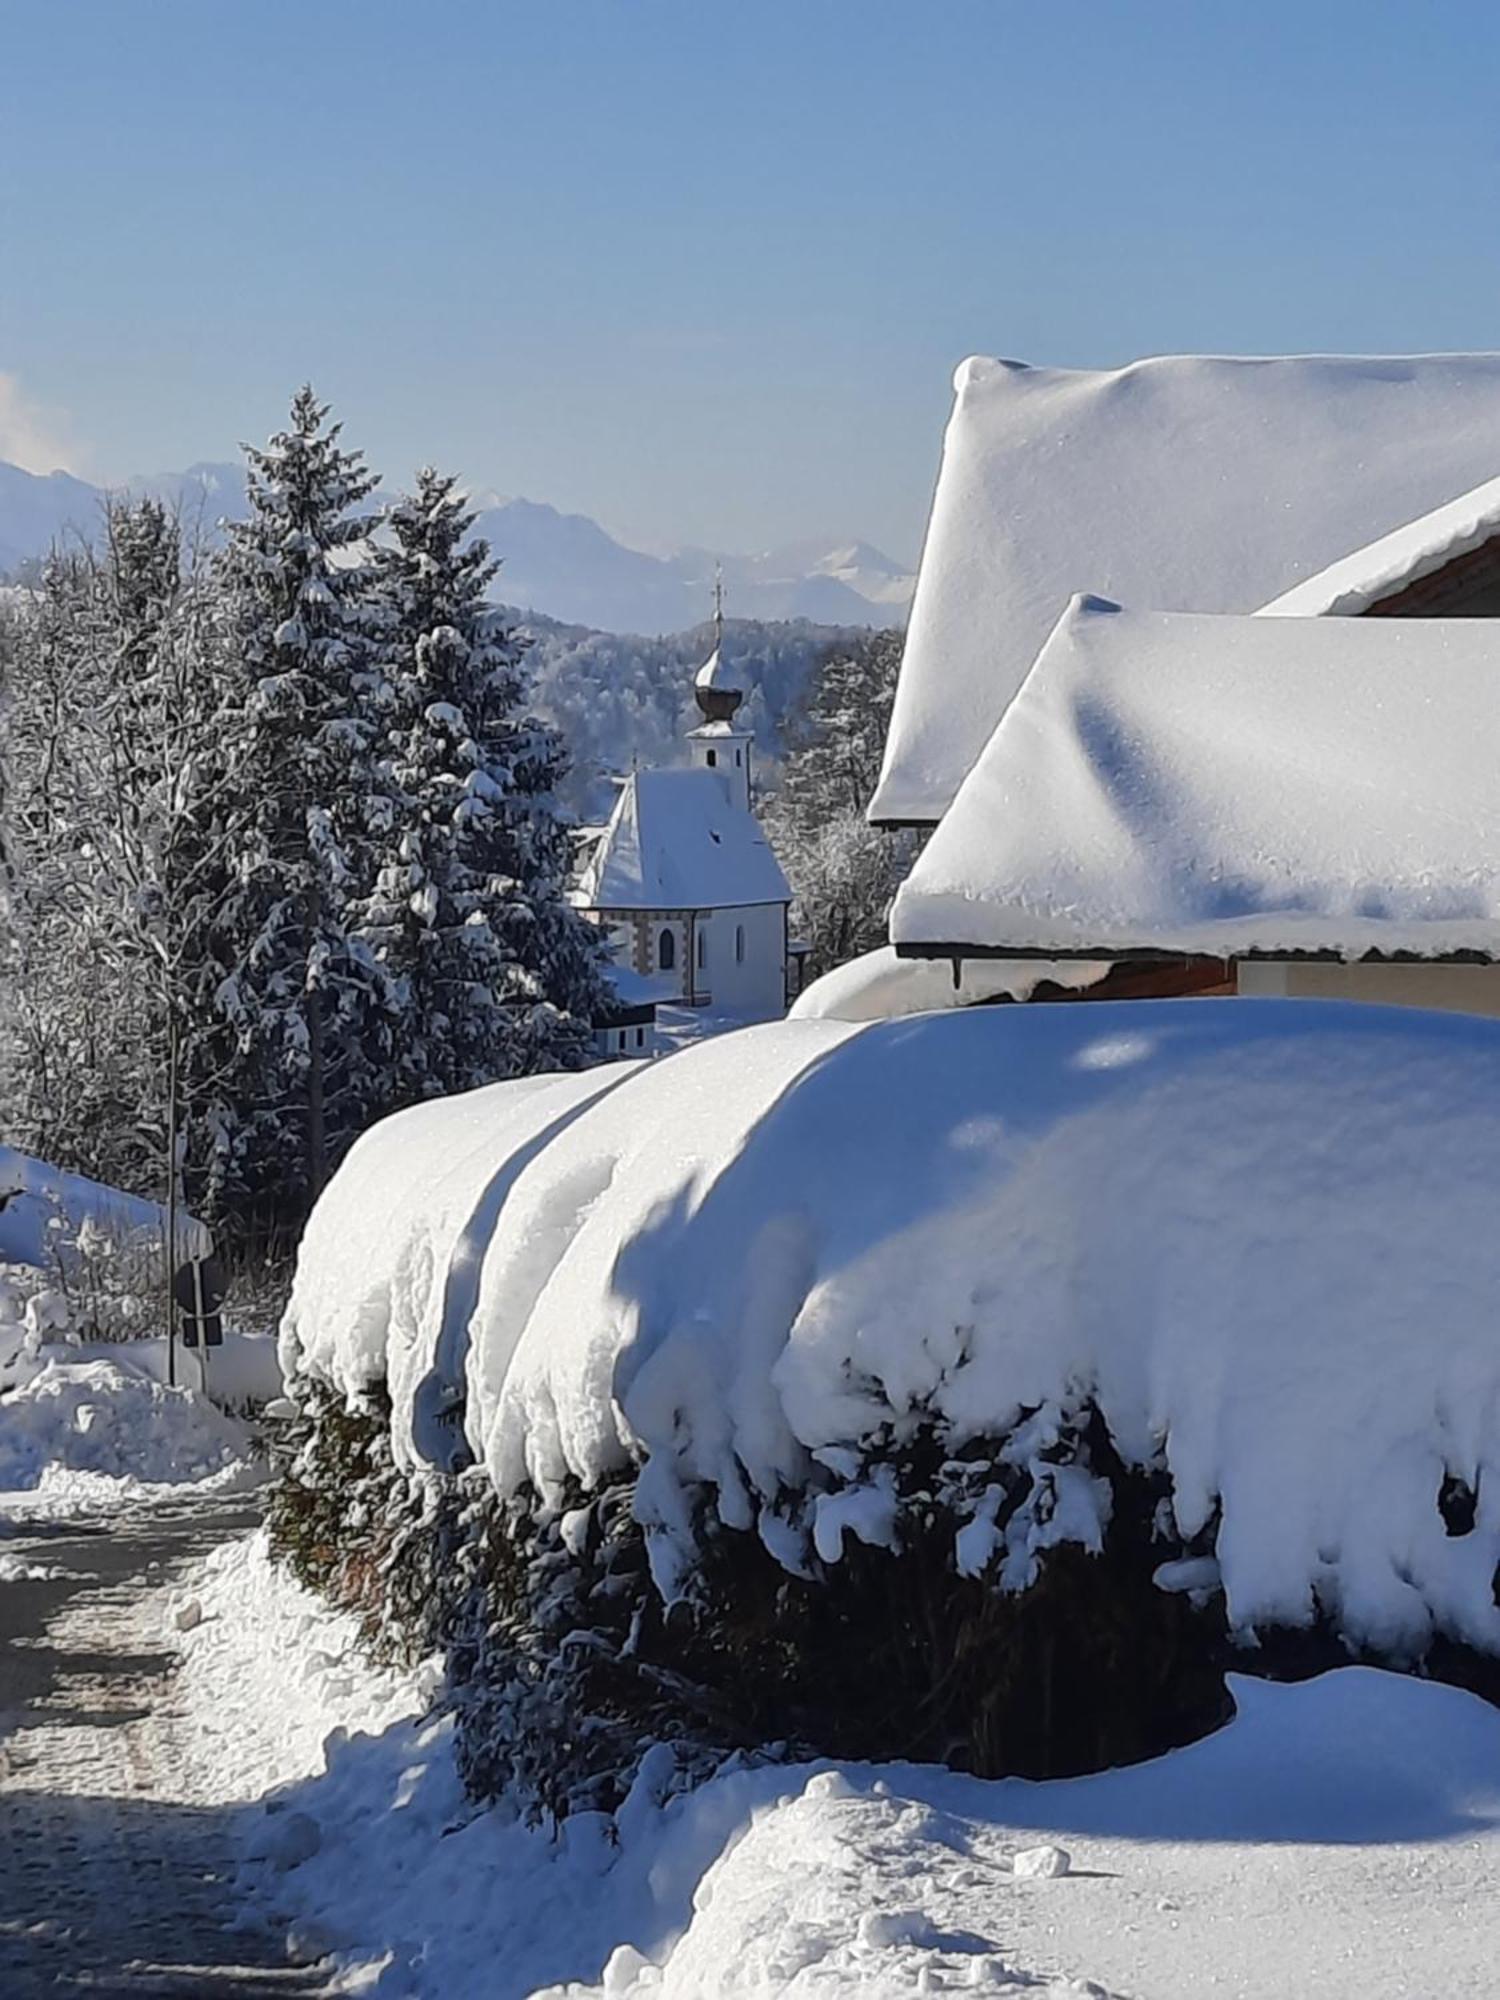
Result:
972,1386
1258,1237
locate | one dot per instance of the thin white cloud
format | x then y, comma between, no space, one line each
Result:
30,436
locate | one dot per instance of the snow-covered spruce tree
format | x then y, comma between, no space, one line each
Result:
306,1016
844,873
498,975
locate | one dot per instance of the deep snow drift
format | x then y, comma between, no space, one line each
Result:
1337,1841
1259,1236
76,1435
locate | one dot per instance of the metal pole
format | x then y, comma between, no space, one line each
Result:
171,1201
202,1325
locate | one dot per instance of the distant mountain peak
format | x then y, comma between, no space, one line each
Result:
562,565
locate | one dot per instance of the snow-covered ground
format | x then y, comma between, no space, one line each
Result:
1337,1841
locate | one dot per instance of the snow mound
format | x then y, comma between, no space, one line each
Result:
74,1424
879,986
269,1672
1259,1237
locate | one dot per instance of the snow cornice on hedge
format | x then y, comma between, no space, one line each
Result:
1172,783
1257,1239
1189,482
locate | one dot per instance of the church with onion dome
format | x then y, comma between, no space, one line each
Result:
686,884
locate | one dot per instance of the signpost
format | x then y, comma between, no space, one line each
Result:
198,1290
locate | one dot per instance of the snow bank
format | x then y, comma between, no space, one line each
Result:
1337,1838
242,1373
1187,482
1260,1237
75,1424
879,986
269,1671
1223,785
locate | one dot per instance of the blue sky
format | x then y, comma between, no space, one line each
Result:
702,268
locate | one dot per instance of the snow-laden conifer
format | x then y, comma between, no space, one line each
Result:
498,974
306,1014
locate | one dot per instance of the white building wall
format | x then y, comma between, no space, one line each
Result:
751,980
1456,989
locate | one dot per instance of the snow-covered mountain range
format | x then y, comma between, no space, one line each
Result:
563,565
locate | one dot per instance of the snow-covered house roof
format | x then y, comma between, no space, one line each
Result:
44,1212
676,841
1229,786
1193,483
1420,549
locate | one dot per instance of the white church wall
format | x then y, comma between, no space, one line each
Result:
664,950
745,960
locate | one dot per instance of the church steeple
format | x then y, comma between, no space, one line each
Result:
713,685
717,743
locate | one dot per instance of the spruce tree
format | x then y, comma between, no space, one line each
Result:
499,975
307,1017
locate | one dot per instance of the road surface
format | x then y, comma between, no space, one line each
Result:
113,1882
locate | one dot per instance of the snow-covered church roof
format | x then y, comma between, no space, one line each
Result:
676,841
1193,483
1220,785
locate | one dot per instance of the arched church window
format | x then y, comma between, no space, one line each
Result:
713,758
702,948
739,944
666,951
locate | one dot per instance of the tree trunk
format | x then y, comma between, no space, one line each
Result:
316,1141
173,1067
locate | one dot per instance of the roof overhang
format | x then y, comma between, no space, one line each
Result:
1154,955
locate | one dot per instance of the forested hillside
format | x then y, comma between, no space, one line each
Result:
618,698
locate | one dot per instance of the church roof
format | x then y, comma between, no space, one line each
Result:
676,841
1194,483
1228,786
